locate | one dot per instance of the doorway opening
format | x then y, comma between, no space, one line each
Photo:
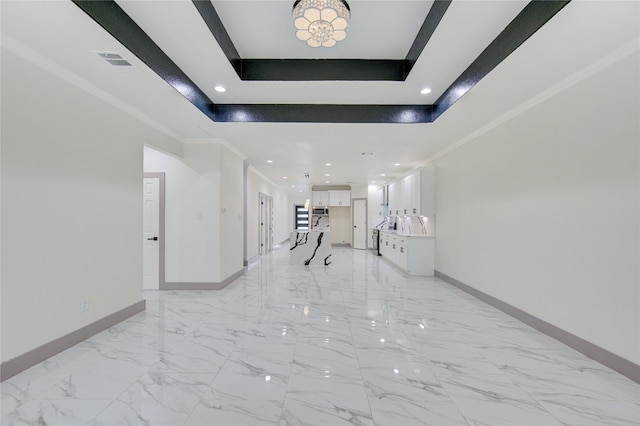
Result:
359,220
266,224
300,218
153,231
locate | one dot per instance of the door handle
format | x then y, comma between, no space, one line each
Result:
152,239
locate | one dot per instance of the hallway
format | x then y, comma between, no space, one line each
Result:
357,342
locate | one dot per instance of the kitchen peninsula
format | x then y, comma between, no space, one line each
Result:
310,247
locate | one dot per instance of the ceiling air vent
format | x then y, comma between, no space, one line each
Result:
115,59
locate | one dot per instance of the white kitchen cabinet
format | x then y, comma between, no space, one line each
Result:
339,198
409,194
378,203
320,198
413,254
414,194
385,248
401,256
394,198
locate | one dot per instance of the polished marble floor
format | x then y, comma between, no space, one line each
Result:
357,342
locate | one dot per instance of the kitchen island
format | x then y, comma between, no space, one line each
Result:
310,248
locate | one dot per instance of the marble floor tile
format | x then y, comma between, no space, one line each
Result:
157,399
593,411
65,412
495,400
394,410
354,343
256,376
326,358
212,411
325,401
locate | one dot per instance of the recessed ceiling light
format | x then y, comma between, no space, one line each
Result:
425,91
327,164
326,181
382,174
269,161
284,177
293,186
327,174
220,89
397,164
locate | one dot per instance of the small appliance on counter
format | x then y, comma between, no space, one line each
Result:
392,223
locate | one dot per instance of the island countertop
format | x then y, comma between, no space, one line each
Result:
310,248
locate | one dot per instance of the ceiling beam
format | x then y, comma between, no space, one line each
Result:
429,26
321,69
524,25
322,113
113,19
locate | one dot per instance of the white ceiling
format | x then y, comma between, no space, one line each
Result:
377,30
57,34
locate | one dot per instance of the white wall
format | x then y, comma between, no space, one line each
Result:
72,210
542,212
340,225
192,205
256,184
359,191
231,246
203,213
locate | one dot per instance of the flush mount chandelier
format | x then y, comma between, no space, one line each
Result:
321,22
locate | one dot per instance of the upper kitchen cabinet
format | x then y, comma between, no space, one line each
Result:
414,194
394,197
320,198
339,198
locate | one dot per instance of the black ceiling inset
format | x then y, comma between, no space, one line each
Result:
322,113
113,19
322,69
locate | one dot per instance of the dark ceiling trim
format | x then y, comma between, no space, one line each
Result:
219,32
524,25
115,21
321,69
429,26
323,113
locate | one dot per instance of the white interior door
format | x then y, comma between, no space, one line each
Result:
266,224
359,207
270,222
150,234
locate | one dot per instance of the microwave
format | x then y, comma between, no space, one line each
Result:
320,210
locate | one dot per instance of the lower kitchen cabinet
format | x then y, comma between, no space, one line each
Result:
413,253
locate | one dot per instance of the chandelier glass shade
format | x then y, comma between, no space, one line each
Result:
321,22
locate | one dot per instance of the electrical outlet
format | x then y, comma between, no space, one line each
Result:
84,304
